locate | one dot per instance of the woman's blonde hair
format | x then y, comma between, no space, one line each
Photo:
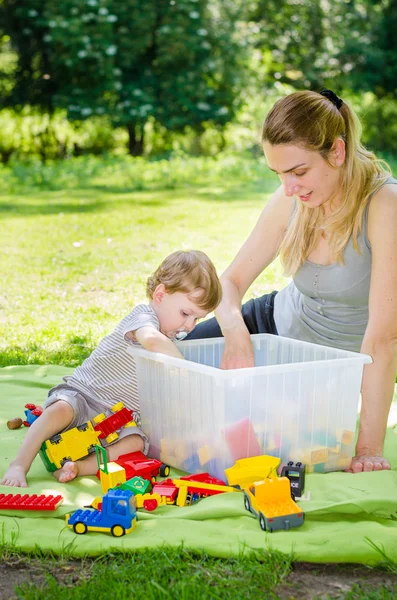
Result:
313,122
188,271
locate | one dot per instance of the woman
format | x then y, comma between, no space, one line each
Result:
333,222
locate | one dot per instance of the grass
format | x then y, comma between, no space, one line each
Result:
161,574
76,260
79,239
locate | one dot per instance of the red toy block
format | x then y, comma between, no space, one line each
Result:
29,502
203,478
110,424
137,464
241,439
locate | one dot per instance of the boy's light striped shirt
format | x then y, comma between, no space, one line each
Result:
108,375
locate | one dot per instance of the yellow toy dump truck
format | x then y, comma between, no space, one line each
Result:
256,468
270,501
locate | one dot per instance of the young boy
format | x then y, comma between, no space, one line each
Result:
183,289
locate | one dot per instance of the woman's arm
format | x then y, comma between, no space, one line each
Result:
380,340
255,255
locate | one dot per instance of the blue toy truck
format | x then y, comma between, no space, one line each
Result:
117,515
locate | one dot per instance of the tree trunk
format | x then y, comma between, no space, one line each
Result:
135,142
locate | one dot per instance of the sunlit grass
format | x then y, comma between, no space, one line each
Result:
75,261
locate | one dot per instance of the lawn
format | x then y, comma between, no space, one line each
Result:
76,258
78,242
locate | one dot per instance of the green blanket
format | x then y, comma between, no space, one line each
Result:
349,518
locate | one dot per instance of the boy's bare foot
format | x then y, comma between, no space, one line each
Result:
15,476
68,472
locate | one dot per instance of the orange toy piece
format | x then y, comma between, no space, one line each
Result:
270,500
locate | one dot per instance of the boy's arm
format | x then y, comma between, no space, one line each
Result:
153,340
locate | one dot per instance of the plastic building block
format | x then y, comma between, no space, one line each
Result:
241,439
167,490
205,454
29,502
117,515
295,471
270,501
107,426
345,436
70,445
32,412
138,464
193,490
191,464
203,478
314,455
137,485
111,474
247,470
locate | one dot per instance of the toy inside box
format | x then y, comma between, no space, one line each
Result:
298,403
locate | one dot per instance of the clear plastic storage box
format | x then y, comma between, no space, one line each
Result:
299,403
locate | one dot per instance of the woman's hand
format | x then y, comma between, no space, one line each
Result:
367,462
238,352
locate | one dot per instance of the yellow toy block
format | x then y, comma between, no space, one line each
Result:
114,476
247,470
345,436
314,455
205,454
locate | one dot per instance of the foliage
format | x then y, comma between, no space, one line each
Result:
173,61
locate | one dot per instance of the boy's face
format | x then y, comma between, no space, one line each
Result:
176,312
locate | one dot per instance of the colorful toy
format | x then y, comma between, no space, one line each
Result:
241,439
247,470
29,502
137,485
191,490
295,472
270,501
70,445
107,426
138,464
110,473
32,412
117,515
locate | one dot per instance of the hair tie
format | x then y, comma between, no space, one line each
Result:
330,95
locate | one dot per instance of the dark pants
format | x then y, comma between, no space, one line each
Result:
257,314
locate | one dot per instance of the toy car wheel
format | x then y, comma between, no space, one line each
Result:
164,470
56,439
262,522
111,437
99,418
117,530
65,460
150,504
247,503
80,527
117,407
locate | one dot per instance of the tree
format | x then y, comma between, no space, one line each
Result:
174,61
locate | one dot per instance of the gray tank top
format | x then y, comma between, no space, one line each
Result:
328,304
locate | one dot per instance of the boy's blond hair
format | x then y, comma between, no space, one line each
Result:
188,271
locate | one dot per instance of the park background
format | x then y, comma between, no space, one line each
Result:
129,129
